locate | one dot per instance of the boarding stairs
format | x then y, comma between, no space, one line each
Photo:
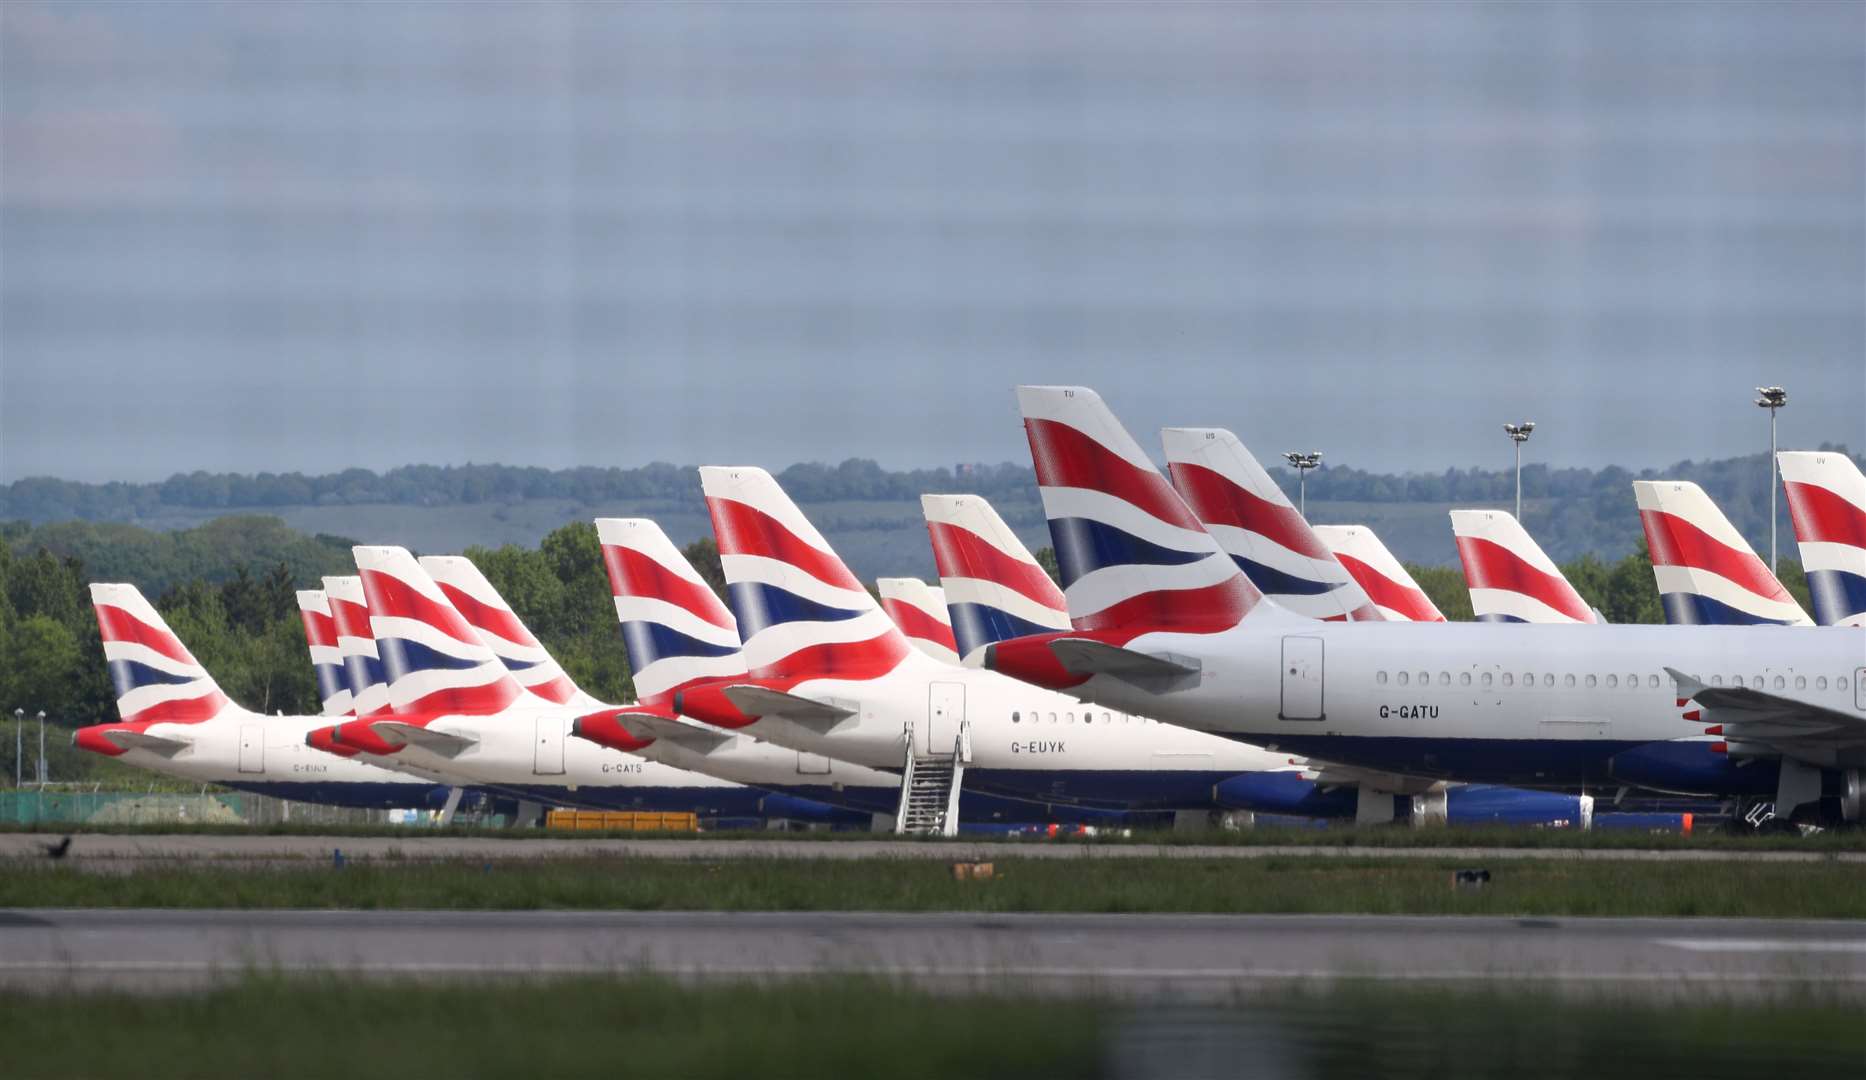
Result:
930,785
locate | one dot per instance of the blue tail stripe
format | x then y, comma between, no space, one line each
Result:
1497,617
977,625
648,642
330,681
1695,609
401,656
127,675
1084,546
363,672
759,606
1270,580
1837,595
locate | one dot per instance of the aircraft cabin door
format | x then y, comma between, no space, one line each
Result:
549,746
252,748
945,709
1302,679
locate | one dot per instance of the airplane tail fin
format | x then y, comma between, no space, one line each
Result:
676,631
995,589
1510,578
333,690
1132,556
434,659
356,646
1707,573
800,611
500,628
1827,500
1256,524
156,678
919,610
1381,576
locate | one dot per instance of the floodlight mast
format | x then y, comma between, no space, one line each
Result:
1303,462
1772,398
1519,434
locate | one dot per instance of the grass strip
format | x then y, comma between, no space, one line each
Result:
285,1028
1272,885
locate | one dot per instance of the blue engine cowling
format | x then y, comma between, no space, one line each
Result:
1692,767
1488,804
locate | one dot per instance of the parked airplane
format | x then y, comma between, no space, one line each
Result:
1382,577
356,645
1509,576
1163,621
175,720
1707,573
333,690
1827,500
457,712
1257,525
802,790
919,610
979,556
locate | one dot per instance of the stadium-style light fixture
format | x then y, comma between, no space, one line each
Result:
1303,462
1771,398
1519,434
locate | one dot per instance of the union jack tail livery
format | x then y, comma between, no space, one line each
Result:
356,646
156,678
435,661
1510,578
1379,574
1707,573
801,612
502,631
677,632
995,590
1827,499
919,610
1132,556
333,690
1257,525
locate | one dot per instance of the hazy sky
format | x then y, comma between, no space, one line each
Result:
277,236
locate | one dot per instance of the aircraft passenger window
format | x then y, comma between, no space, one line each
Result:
1486,678
1632,682
1464,678
1529,680
1088,718
1013,717
1716,680
1820,682
1425,678
1780,682
1052,718
1548,680
1069,718
1380,678
1613,682
1840,684
1736,680
1652,681
1591,681
1801,682
1402,678
1444,678
1756,682
1567,680
1107,718
1509,679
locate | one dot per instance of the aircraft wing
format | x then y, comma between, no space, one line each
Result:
1797,729
764,701
1155,674
142,740
1330,775
439,742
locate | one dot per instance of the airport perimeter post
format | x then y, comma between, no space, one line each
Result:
42,770
1772,398
1303,463
1519,434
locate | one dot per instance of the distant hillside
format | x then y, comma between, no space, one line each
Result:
871,514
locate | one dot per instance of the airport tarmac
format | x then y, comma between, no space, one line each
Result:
126,851
1197,955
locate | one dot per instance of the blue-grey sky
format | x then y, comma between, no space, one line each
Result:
309,236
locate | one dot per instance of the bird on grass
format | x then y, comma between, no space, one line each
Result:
58,850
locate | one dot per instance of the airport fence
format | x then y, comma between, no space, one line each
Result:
75,805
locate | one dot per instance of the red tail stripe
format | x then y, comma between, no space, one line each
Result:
747,530
962,553
487,618
1676,542
1065,457
118,625
181,710
351,619
483,700
1823,517
852,660
392,597
918,624
1390,594
1216,500
632,573
1198,611
1490,565
558,691
320,629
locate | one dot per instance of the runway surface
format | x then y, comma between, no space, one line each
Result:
129,850
1197,956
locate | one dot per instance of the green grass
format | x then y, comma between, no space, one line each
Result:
1292,884
285,1028
1380,837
